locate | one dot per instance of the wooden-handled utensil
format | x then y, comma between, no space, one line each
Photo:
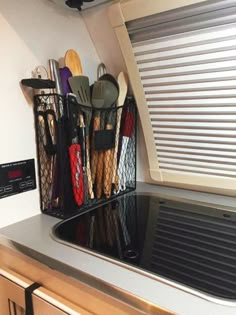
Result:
107,92
123,86
72,61
110,123
97,103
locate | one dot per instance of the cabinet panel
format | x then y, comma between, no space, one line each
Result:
12,301
41,308
84,298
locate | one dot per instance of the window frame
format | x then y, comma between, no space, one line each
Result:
119,14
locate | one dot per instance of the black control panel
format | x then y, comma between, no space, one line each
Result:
17,177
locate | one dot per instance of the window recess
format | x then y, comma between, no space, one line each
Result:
186,60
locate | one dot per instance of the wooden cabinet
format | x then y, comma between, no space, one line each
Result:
60,294
12,298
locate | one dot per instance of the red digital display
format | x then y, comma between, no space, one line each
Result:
15,174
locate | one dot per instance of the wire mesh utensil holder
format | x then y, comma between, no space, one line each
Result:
97,140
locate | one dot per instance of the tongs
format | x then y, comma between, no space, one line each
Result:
45,114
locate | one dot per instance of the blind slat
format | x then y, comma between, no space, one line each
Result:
196,151
212,36
182,21
197,170
193,50
189,117
204,164
207,102
187,61
192,131
196,157
199,145
192,110
197,138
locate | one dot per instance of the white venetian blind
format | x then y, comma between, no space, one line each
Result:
189,81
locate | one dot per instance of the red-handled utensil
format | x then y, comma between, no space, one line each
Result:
76,173
75,151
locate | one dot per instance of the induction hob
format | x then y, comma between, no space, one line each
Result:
191,244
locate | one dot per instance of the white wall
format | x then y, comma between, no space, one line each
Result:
104,38
31,32
107,46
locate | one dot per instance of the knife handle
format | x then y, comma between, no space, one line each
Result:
77,173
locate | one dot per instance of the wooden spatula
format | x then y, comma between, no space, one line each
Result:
72,61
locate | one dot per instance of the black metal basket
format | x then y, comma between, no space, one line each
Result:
86,155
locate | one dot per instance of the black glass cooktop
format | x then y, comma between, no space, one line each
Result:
187,243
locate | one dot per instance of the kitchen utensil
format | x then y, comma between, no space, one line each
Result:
109,91
110,78
82,141
123,87
112,93
65,74
55,75
72,61
127,132
46,115
80,87
83,97
104,93
47,123
101,70
46,118
97,102
38,84
75,152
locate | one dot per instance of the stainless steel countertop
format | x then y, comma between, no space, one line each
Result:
33,238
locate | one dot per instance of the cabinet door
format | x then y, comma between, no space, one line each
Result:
12,301
12,298
42,307
46,302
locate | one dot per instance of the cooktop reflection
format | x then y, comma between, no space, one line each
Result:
191,244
